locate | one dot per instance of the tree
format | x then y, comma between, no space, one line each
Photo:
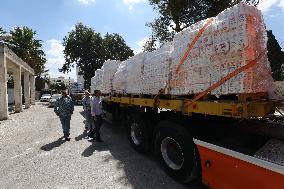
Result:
86,49
116,48
22,41
83,47
275,56
176,15
150,45
2,31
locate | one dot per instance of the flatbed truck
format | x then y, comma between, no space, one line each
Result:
224,143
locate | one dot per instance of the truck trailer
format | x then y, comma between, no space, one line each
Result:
204,103
223,143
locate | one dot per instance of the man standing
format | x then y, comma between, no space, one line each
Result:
97,112
86,102
64,108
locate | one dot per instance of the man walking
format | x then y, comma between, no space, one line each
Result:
64,108
97,112
86,102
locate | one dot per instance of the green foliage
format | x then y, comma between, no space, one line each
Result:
22,41
150,45
40,82
176,15
275,57
2,32
116,48
86,49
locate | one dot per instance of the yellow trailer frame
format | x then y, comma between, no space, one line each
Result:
225,108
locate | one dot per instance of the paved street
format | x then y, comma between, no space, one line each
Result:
33,156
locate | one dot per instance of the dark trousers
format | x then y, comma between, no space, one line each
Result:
65,122
89,120
98,124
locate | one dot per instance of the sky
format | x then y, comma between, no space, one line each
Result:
53,19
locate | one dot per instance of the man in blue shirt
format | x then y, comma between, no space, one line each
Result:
64,108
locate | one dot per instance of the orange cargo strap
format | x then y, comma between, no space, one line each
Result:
195,39
223,80
184,57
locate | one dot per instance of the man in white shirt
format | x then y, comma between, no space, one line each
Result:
97,112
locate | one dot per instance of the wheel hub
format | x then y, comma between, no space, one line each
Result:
172,153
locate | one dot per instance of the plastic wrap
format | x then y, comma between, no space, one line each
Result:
223,44
235,37
156,70
134,69
120,78
108,70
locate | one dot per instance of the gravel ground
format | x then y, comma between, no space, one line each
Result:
33,156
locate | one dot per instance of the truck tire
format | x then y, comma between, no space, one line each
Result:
138,133
176,151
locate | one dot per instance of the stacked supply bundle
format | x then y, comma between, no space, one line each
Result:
119,79
96,81
134,69
156,70
108,70
92,87
217,46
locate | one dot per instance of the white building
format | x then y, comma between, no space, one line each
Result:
61,79
80,77
76,87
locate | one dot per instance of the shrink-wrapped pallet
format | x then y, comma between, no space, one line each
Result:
120,77
96,81
134,69
234,38
108,70
215,48
156,70
92,87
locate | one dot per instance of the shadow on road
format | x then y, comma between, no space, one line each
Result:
81,136
95,146
140,171
53,144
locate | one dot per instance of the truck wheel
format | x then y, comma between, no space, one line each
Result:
137,133
176,151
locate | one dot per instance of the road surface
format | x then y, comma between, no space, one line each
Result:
34,156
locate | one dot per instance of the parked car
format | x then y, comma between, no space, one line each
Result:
45,98
53,99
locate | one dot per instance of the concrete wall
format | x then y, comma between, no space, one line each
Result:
11,99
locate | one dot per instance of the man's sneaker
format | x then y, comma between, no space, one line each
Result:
67,138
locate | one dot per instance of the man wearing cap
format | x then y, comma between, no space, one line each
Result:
64,108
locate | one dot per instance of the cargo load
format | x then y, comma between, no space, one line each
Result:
119,79
234,38
134,75
230,48
96,81
108,70
156,69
